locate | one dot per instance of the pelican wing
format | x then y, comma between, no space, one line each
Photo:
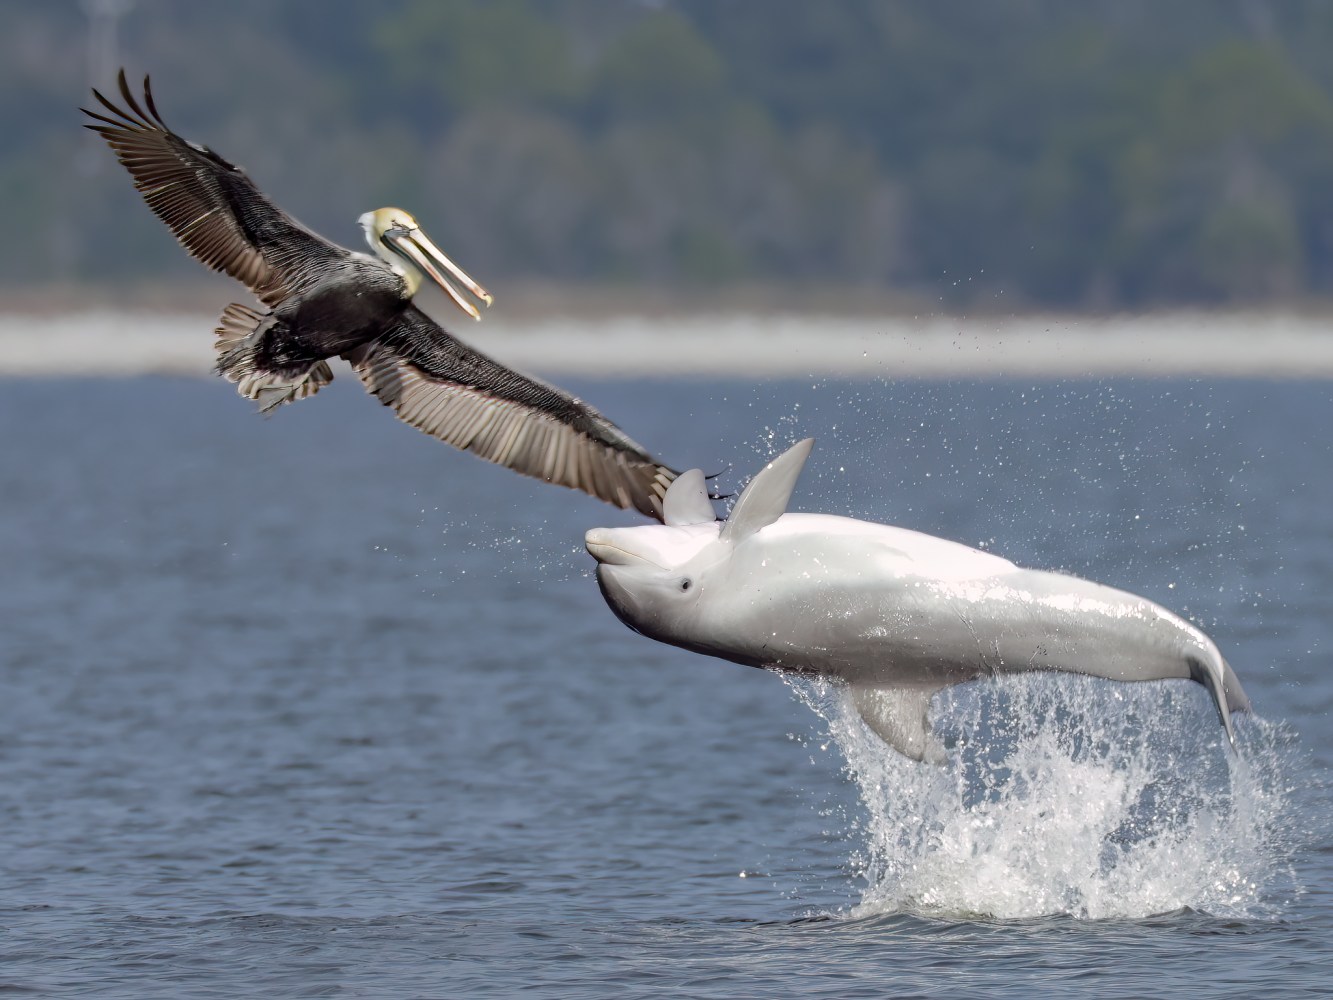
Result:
212,207
448,390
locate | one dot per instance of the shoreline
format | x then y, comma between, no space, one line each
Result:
117,343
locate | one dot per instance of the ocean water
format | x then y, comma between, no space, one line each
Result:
315,706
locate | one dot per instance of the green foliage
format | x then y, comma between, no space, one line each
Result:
662,69
477,54
1248,250
1105,154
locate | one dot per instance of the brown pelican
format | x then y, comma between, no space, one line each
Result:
324,300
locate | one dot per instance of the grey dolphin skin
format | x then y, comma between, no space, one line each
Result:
896,614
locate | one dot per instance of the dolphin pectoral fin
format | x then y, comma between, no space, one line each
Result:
901,718
687,502
765,499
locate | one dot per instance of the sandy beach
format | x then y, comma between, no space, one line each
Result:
116,343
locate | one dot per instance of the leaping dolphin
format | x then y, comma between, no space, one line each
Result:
896,614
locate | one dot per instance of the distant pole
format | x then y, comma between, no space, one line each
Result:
103,62
104,38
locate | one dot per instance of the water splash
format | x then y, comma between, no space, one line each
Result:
1068,795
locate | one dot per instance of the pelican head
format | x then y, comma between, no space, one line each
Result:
396,237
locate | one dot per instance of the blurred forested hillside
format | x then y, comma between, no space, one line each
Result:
1027,153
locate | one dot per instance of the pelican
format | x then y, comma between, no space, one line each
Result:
322,300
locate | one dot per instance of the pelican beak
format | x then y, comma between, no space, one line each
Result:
417,247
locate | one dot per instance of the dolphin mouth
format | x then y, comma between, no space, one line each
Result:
605,554
601,546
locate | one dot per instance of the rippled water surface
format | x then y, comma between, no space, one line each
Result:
314,706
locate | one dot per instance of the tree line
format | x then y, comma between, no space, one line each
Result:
1035,153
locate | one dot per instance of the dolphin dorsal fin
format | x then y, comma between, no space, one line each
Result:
765,499
686,501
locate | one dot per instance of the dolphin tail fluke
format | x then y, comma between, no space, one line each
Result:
900,716
1216,675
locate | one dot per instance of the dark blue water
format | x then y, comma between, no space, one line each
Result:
314,706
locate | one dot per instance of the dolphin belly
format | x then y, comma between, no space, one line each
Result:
908,638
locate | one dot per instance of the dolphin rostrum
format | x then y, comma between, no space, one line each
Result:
896,614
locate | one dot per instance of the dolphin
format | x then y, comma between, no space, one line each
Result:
896,614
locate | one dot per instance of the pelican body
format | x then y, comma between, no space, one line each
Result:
323,301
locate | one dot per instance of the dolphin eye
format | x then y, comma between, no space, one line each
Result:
686,584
